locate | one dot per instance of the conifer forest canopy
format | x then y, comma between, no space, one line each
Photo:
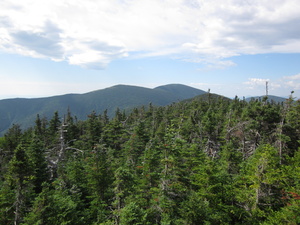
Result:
202,161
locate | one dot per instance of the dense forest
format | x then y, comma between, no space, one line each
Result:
203,161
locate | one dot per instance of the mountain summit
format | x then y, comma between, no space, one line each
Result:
23,111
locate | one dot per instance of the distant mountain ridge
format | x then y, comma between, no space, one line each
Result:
270,98
23,111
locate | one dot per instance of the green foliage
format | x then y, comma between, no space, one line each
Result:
132,214
54,206
19,177
12,139
202,161
7,196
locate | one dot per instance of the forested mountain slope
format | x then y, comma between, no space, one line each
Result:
180,91
23,111
209,160
270,98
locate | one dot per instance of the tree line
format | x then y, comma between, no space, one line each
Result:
204,161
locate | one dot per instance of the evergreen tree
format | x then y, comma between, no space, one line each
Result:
257,189
12,139
20,176
36,155
54,207
99,182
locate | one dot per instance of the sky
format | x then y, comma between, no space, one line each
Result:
230,47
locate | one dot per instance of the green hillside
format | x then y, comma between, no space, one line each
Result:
125,97
181,91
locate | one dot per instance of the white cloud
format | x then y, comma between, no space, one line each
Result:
293,85
282,86
256,82
92,33
294,77
258,85
292,82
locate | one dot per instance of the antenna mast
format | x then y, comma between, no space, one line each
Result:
267,88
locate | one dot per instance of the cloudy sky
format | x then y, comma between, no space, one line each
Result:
232,47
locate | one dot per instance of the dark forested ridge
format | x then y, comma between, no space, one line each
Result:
23,111
208,160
